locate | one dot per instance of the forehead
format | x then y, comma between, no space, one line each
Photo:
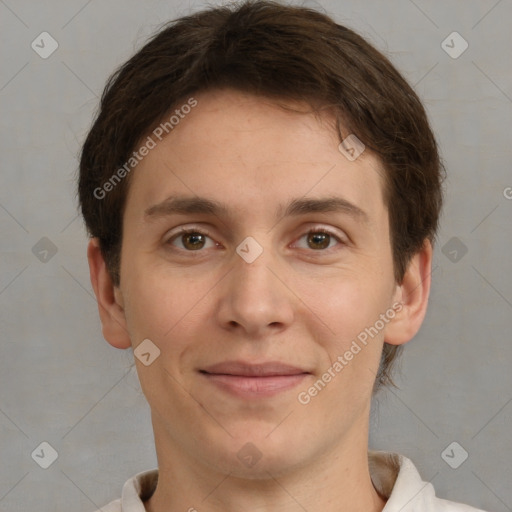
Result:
250,152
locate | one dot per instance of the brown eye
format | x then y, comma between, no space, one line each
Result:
191,240
319,240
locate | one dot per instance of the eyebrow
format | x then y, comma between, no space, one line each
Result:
185,205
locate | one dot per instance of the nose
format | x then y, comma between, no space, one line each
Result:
254,297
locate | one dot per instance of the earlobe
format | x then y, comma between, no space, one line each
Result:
109,298
413,295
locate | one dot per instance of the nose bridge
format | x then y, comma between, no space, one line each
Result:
255,297
252,266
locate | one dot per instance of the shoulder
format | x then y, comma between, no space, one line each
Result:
114,506
396,477
451,506
135,491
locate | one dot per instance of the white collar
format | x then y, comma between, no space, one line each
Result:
393,475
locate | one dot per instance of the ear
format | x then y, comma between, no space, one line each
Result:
109,298
412,295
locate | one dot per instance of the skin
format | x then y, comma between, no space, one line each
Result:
295,303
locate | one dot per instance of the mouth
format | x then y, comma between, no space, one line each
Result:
254,380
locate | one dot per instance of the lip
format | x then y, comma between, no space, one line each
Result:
248,380
241,368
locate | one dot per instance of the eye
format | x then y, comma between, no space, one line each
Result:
191,239
319,239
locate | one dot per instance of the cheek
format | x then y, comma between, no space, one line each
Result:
345,306
164,307
350,346
151,308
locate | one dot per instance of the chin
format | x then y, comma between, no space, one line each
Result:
256,456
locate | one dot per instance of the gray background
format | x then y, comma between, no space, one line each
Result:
63,384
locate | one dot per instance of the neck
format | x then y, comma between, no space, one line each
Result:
338,479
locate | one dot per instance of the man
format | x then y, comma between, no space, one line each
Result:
262,190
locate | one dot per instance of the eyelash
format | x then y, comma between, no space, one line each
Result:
185,231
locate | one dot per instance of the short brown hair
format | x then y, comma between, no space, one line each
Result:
279,52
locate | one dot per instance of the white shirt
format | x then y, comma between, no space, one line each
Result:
393,475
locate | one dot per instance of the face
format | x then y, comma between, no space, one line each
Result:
255,254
